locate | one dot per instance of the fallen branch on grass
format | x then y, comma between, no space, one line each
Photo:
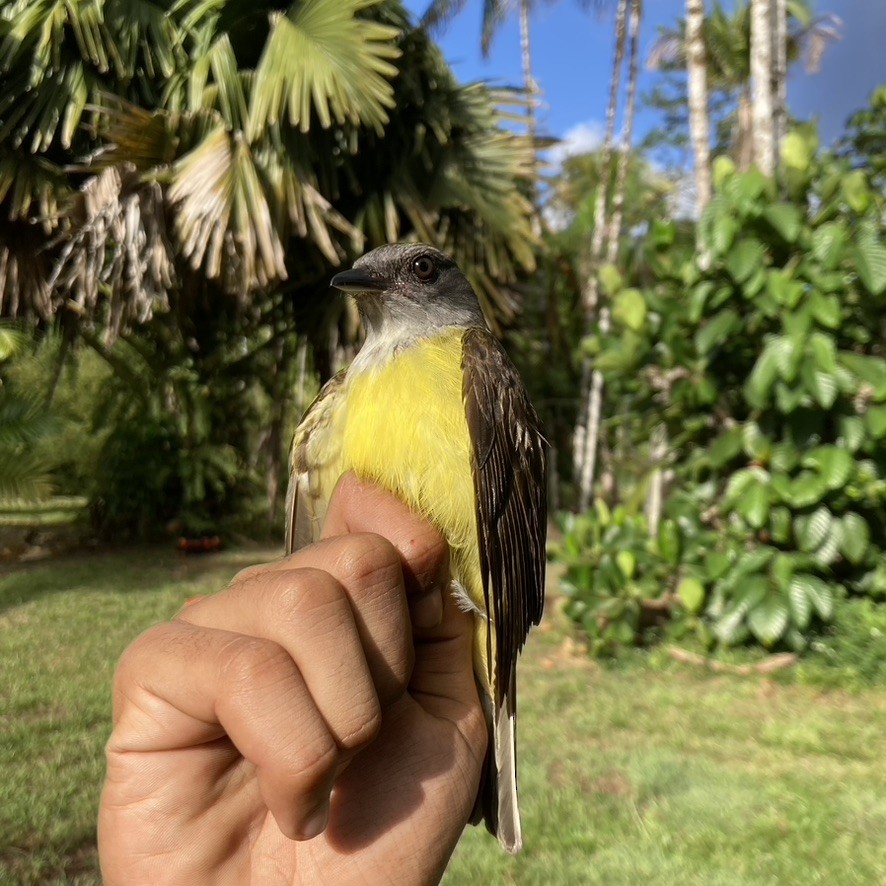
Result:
770,666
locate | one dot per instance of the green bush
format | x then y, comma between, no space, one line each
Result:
761,353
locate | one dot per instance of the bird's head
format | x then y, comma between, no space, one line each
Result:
410,289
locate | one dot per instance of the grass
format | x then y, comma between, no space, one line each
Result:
629,774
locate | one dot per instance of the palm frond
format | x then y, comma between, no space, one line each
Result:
323,57
223,220
115,242
24,271
440,13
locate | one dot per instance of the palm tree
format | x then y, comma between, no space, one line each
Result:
226,142
186,174
697,86
727,40
495,12
608,221
763,144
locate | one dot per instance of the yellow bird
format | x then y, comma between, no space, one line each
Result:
433,410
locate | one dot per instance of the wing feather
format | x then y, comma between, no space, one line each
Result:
509,481
316,448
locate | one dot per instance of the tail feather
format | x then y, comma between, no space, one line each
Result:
497,798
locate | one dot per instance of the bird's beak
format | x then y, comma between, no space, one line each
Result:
356,281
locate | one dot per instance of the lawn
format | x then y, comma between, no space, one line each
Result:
641,773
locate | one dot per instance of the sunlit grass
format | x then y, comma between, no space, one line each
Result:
630,774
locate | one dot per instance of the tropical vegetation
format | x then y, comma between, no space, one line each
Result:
180,178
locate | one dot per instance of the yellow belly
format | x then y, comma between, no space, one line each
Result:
403,426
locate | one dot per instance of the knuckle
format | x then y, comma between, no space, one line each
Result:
371,560
304,593
364,726
249,662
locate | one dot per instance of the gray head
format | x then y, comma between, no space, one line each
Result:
410,290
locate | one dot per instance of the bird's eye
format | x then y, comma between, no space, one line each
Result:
424,269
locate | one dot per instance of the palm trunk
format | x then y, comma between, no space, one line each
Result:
585,438
531,88
699,112
761,83
610,236
780,74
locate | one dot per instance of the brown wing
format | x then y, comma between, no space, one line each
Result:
509,481
315,449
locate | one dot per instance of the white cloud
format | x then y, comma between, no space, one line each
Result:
580,139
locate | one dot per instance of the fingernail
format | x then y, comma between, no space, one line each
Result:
316,822
427,610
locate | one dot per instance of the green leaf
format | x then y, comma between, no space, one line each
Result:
784,288
828,244
764,373
629,309
870,262
744,259
753,505
852,432
787,356
716,331
800,604
821,385
725,447
812,529
742,480
756,444
782,569
871,370
787,399
855,190
820,594
769,619
670,542
833,463
780,524
807,489
798,149
723,234
604,515
856,537
785,219
824,351
826,309
717,565
875,419
691,594
729,629
723,169
610,279
697,299
323,58
784,456
626,562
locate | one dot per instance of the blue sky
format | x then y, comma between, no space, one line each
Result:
572,53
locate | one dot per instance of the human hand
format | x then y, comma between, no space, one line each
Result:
234,722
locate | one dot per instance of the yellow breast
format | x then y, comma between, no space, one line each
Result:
403,425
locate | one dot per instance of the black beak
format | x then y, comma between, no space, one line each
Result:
356,281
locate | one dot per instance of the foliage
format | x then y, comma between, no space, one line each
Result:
25,471
194,167
727,37
188,175
760,353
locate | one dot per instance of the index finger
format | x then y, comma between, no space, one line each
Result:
359,506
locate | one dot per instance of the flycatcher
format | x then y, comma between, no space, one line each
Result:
433,410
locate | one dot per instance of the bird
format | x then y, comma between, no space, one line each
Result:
432,409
